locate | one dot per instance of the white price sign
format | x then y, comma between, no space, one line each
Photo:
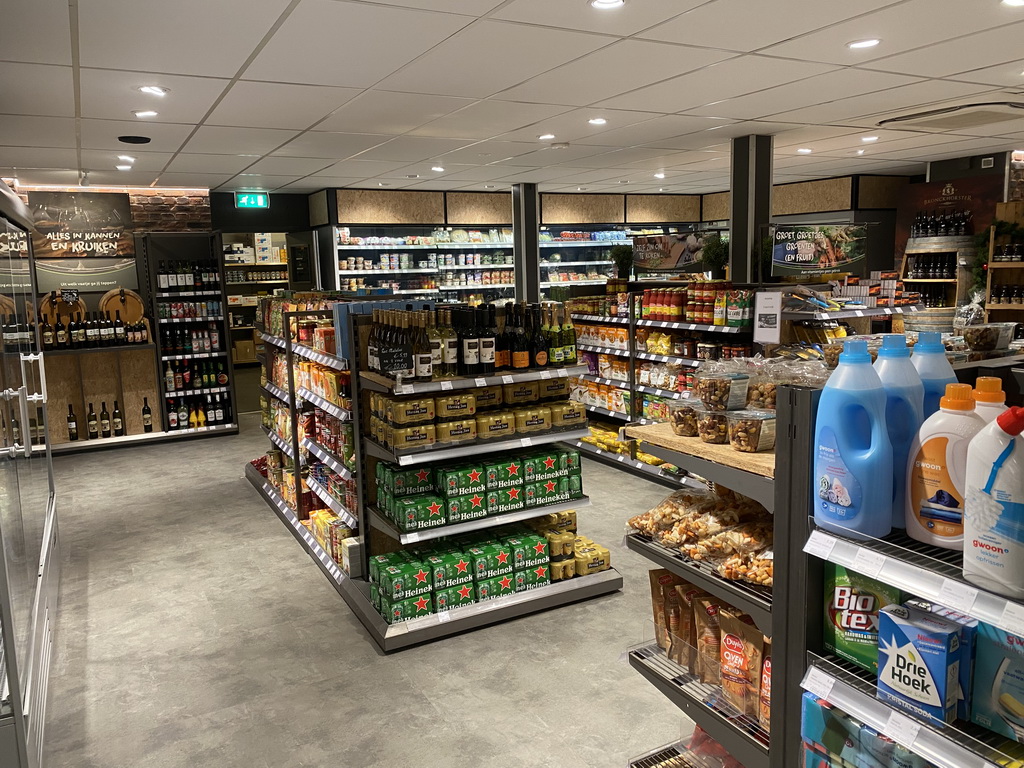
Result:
868,562
1013,618
443,617
481,382
446,386
819,683
957,595
507,380
820,545
902,729
412,538
545,374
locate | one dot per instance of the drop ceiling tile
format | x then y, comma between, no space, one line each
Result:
36,31
627,20
300,187
330,182
688,160
447,70
295,166
260,182
734,77
621,157
349,44
465,7
331,146
901,27
666,127
29,131
211,164
821,138
466,173
485,152
278,105
126,34
102,134
389,112
442,185
574,126
1008,75
30,176
533,175
216,140
113,95
485,119
617,69
412,149
586,176
388,182
551,156
741,25
360,169
114,178
36,89
106,159
35,157
964,53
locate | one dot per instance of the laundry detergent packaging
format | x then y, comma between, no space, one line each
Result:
998,702
852,603
829,731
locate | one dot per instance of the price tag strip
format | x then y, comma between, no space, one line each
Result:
820,545
818,682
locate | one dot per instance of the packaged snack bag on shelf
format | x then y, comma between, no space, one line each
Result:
764,691
710,752
709,640
741,652
682,630
663,582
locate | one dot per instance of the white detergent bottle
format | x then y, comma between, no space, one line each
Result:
904,407
989,398
852,492
930,360
994,508
936,472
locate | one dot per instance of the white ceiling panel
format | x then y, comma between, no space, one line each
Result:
105,160
485,152
114,95
102,134
550,156
332,146
412,149
284,166
824,137
34,157
29,131
465,7
278,105
389,182
327,42
619,68
533,175
208,180
734,77
466,173
621,157
444,185
1008,74
36,31
983,49
901,27
584,176
41,176
949,149
747,25
575,126
666,160
688,160
114,178
360,169
36,89
390,112
447,69
216,140
663,128
258,181
485,119
132,35
627,20
327,182
211,164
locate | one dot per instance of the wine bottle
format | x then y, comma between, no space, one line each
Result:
469,343
502,356
219,409
449,347
172,414
213,339
422,357
46,331
538,341
117,421
556,354
372,350
104,420
92,425
568,340
487,341
161,278
60,334
72,423
15,430
407,368
147,416
120,336
436,343
182,414
108,330
519,345
211,412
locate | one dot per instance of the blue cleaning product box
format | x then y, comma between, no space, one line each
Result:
968,641
999,682
829,731
918,662
879,751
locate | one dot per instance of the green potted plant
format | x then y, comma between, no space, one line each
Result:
622,255
715,255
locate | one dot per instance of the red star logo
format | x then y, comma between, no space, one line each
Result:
513,469
421,577
541,572
513,493
464,593
421,604
462,565
398,613
503,558
539,547
422,475
435,509
549,463
453,483
477,501
474,476
506,583
550,486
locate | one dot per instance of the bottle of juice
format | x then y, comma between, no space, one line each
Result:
852,494
930,360
937,470
904,406
989,398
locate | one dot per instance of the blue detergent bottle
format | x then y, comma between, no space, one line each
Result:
930,360
853,467
904,408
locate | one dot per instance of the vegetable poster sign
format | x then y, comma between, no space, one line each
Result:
819,250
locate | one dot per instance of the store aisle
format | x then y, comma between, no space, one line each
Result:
194,631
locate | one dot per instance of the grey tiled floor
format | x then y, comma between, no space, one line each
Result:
193,631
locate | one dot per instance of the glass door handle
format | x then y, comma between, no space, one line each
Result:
35,358
23,398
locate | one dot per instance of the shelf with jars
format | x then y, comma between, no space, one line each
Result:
1004,286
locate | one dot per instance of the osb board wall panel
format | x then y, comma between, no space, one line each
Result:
644,209
64,386
370,206
813,196
138,381
582,209
479,207
319,215
880,191
716,206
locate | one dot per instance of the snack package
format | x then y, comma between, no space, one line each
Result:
708,665
710,752
740,654
662,588
683,639
764,691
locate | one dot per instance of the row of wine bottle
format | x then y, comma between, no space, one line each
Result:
426,345
182,413
942,224
106,424
187,276
97,330
196,411
182,341
183,375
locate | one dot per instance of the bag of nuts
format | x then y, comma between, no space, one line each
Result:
751,431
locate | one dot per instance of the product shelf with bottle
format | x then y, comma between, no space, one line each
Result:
1004,283
585,261
939,269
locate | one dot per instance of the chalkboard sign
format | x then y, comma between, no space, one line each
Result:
392,360
69,295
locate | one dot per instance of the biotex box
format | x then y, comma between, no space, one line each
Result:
918,662
852,603
998,702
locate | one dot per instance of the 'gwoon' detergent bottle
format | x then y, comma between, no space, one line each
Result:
930,360
852,493
937,469
989,398
994,507
904,405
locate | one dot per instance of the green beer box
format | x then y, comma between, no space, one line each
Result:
399,582
462,509
549,464
533,578
504,474
505,500
529,551
397,611
415,513
405,482
385,501
548,492
491,560
453,597
461,480
378,562
498,586
451,569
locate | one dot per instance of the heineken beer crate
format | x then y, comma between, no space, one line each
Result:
528,551
504,474
453,597
383,561
498,586
415,513
461,480
462,509
451,569
397,611
398,582
405,482
504,500
547,492
491,560
533,578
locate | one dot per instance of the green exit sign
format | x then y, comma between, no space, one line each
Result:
252,200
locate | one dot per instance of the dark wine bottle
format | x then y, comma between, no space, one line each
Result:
72,423
104,420
487,341
117,421
147,416
60,334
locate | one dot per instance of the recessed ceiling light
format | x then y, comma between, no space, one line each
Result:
546,136
154,90
488,186
123,167
413,176
869,139
438,169
560,145
581,189
869,43
1013,3
624,181
382,184
607,5
804,151
144,113
659,175
597,121
661,189
134,139
861,151
126,158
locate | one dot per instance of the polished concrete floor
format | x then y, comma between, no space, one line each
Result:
194,631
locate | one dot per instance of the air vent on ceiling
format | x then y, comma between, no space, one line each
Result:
959,117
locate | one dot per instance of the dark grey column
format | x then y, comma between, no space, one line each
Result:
526,233
751,198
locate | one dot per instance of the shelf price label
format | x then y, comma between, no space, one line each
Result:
957,595
480,382
818,682
1013,618
868,562
507,380
446,386
820,545
901,729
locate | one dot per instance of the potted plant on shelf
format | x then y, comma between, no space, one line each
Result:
622,255
715,255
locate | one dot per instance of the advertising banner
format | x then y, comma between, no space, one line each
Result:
82,225
86,275
819,249
667,252
977,196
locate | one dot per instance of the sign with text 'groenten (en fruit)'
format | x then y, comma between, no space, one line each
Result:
819,249
252,200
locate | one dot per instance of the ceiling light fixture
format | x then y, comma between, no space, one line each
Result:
624,181
154,90
144,113
661,189
861,151
581,189
438,169
382,184
597,121
560,145
488,186
607,5
413,176
1013,3
659,175
804,151
123,167
85,179
869,139
546,136
126,158
134,139
869,43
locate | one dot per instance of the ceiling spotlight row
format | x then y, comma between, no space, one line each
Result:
865,139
